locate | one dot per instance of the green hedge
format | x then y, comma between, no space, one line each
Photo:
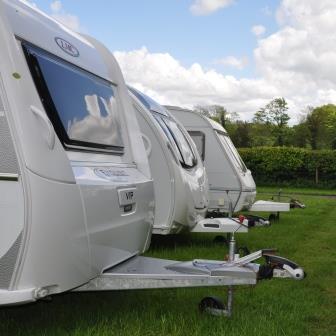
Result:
291,166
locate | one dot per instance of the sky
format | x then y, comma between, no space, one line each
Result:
237,53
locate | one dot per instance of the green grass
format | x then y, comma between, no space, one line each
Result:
273,307
296,191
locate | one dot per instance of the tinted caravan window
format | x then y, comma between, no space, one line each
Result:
170,128
189,159
199,140
82,107
168,135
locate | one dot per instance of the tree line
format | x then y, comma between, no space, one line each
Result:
270,126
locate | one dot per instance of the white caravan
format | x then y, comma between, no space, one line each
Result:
180,181
77,201
231,184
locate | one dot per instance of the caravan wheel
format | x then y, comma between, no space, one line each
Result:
213,306
221,240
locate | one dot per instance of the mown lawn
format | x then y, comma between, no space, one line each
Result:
296,191
275,307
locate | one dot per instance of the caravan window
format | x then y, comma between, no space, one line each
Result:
199,139
177,140
168,135
82,107
189,159
232,151
171,129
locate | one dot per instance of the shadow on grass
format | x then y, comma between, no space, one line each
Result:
92,313
185,240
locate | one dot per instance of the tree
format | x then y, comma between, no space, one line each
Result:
216,112
241,136
274,114
320,121
299,135
203,110
315,122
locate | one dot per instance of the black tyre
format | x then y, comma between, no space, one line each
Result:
211,304
220,240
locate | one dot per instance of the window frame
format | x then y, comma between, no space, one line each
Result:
31,52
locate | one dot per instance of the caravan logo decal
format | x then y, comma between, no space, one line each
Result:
67,47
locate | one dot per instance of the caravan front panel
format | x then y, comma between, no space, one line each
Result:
231,183
66,154
180,183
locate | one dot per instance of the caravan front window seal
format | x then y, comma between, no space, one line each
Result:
82,106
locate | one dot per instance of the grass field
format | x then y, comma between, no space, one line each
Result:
273,307
297,191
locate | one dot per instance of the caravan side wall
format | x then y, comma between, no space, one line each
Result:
11,202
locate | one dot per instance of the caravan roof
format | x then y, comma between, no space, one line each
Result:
148,102
195,122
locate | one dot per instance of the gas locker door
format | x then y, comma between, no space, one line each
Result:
119,206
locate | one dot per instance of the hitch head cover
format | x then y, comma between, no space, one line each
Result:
275,263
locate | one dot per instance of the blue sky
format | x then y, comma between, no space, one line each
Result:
169,26
237,53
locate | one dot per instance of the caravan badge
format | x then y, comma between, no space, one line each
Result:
67,47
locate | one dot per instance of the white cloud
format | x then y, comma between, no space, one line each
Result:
300,56
56,6
165,79
258,30
238,63
206,7
69,20
297,62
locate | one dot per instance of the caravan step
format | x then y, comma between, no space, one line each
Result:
221,225
144,273
269,206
